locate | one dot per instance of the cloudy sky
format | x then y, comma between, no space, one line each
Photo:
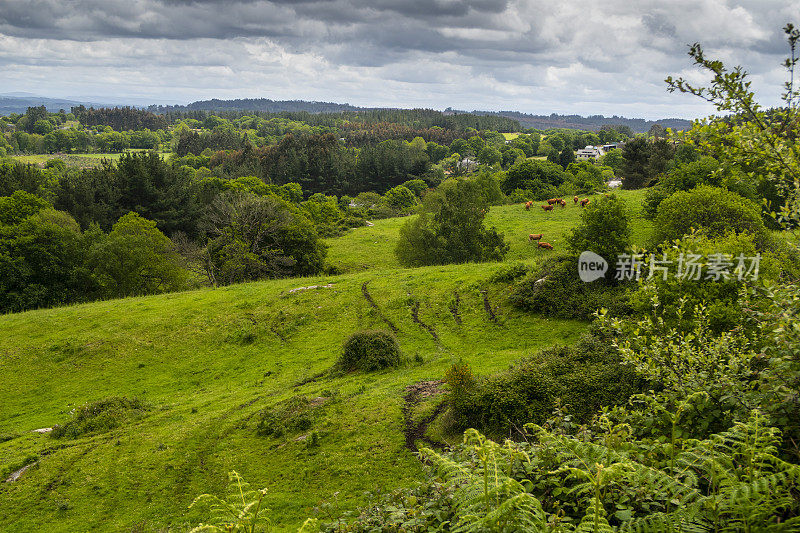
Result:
536,56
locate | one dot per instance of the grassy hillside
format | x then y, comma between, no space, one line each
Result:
372,248
208,362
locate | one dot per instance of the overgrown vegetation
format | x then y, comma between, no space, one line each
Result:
369,351
100,416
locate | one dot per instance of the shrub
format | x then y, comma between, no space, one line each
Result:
605,229
369,351
555,290
102,415
461,380
716,210
509,273
586,376
652,199
289,416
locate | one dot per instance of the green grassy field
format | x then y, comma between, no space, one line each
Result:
72,160
209,361
372,248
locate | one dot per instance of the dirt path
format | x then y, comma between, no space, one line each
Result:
371,302
423,325
415,431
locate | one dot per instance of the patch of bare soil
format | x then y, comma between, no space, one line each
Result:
415,431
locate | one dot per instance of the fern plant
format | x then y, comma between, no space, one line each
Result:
734,481
240,511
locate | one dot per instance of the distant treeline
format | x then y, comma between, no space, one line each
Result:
257,104
592,122
119,118
338,117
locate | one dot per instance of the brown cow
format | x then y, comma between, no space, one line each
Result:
545,245
551,201
584,202
563,203
574,199
547,207
528,206
535,237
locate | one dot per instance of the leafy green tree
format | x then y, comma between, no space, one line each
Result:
566,157
605,229
635,164
417,186
450,229
135,258
255,237
716,210
42,262
525,174
760,143
613,159
19,206
489,155
400,198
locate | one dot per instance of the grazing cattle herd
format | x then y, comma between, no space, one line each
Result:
552,202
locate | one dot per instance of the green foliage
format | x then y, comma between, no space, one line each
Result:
761,144
101,416
290,416
135,258
259,237
556,290
450,229
716,210
240,511
603,481
400,197
719,296
509,273
42,262
533,174
19,206
642,161
605,229
586,377
369,351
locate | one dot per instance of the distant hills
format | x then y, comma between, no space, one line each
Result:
19,102
261,104
592,122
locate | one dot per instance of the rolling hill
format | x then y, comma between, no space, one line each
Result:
213,366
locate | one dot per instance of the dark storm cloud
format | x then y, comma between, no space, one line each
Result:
507,53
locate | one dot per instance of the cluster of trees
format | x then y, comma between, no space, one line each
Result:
66,232
119,118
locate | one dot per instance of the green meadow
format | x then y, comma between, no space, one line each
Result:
71,160
210,362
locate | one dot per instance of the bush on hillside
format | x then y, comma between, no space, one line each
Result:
717,211
586,376
605,229
289,416
100,416
369,351
556,291
450,228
